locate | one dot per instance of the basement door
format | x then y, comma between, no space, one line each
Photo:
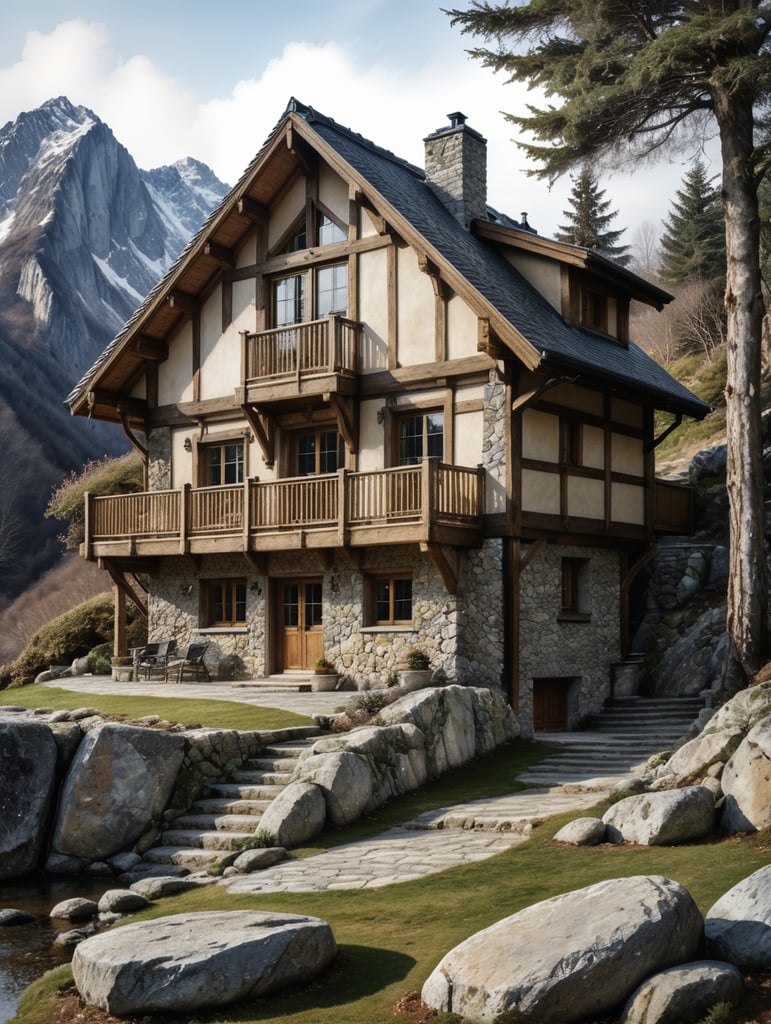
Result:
550,704
300,639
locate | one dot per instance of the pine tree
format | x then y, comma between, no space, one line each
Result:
693,241
589,218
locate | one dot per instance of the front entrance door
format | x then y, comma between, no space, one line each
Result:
550,704
301,639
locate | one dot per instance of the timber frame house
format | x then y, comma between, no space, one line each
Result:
376,414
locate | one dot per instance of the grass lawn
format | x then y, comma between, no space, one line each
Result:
390,939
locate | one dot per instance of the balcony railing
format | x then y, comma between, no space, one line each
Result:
316,348
407,504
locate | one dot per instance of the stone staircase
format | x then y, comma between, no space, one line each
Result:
230,812
615,743
283,682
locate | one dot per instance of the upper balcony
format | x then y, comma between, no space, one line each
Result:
426,503
306,359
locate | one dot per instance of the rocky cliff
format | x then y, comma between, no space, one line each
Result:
84,235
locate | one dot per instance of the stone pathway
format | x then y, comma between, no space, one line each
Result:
433,842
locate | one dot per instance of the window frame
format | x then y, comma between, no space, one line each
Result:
294,437
203,464
373,582
400,417
229,598
575,589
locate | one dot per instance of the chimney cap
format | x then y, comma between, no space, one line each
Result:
456,119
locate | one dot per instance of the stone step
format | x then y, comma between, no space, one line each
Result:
203,839
183,858
260,778
221,805
244,791
217,822
271,764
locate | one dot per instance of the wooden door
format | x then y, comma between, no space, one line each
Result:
550,704
300,617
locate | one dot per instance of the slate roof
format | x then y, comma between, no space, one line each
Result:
403,186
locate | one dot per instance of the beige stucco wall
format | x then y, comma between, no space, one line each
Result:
286,211
626,454
586,498
540,436
540,492
370,436
416,317
468,439
593,447
461,329
544,275
373,309
333,193
627,504
175,374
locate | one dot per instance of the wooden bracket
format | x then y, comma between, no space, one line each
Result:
427,266
121,581
261,425
347,414
258,560
327,558
448,566
487,342
532,553
252,209
124,422
378,220
221,253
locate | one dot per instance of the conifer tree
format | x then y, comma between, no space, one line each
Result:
625,79
589,218
693,241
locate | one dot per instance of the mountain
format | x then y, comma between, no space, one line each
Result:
84,235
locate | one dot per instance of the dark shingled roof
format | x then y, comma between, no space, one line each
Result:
404,188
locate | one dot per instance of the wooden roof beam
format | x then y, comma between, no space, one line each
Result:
221,253
151,348
252,209
136,408
184,302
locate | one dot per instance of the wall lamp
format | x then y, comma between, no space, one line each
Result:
188,445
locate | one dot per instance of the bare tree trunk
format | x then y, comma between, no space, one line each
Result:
747,583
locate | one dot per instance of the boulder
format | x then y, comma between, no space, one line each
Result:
258,860
157,887
694,758
28,755
746,782
738,925
344,780
119,780
297,814
582,832
570,957
10,917
78,908
682,995
121,901
662,819
190,962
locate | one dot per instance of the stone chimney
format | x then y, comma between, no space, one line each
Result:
456,169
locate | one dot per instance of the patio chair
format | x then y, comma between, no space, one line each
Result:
190,661
153,658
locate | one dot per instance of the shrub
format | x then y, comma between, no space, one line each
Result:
417,660
72,635
100,660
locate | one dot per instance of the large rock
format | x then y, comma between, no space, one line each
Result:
738,926
569,957
661,819
582,832
28,754
694,758
190,962
297,814
119,781
746,782
682,995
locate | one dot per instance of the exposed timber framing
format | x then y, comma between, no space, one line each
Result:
447,565
261,424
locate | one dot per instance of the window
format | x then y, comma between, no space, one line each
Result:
318,451
575,601
332,290
330,231
289,300
594,310
420,437
392,601
222,464
225,602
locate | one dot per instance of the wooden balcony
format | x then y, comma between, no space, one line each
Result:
429,503
300,359
672,507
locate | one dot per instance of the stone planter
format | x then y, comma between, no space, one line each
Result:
414,678
324,681
122,670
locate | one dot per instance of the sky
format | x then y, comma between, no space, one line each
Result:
211,79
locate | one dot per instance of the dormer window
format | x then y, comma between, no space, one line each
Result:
594,310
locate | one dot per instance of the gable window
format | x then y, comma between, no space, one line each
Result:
225,602
421,436
575,599
318,451
222,464
391,600
330,231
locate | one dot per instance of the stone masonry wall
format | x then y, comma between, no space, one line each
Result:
159,459
584,651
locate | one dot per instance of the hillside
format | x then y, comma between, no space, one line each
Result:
84,235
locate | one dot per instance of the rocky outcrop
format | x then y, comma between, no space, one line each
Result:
119,781
570,957
738,925
662,819
192,962
746,782
28,756
297,814
681,995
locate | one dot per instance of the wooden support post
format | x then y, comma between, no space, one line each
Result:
120,648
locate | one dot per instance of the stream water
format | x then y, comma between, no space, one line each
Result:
27,950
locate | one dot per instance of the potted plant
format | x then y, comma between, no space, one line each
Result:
324,675
417,671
